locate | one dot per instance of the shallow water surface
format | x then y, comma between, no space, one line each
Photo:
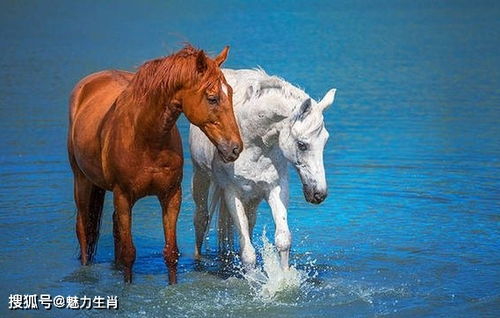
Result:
411,224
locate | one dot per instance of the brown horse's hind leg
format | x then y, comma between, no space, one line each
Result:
89,200
122,230
170,211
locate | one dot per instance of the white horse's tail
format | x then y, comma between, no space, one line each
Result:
225,229
225,226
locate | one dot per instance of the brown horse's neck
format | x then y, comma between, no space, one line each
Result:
156,119
150,98
151,118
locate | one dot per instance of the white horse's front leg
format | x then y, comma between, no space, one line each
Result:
237,210
278,201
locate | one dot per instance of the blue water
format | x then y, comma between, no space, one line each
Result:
411,225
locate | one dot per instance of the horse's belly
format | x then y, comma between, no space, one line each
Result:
149,173
251,190
166,181
158,181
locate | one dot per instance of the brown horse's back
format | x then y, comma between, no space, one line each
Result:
104,85
90,101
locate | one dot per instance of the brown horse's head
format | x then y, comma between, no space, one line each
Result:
193,83
208,104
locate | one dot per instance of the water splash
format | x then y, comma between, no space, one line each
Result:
271,280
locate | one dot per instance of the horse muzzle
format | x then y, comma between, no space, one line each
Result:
314,196
229,151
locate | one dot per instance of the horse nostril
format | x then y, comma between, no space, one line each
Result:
318,196
236,150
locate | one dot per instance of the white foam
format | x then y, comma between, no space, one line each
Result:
271,280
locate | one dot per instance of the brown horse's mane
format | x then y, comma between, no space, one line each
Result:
158,79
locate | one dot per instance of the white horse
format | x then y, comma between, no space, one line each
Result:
279,123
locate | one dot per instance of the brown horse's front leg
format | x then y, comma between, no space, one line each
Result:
122,230
116,236
170,211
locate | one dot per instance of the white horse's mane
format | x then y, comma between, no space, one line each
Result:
276,82
259,83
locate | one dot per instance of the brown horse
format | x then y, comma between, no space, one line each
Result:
123,138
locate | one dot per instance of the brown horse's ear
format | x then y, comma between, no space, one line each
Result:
201,62
222,56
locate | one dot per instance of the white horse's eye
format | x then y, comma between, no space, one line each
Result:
302,145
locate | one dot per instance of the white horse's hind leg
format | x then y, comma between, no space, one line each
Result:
237,210
200,187
278,200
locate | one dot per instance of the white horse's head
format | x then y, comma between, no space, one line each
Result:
303,144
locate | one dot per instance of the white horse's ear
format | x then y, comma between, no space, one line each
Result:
304,109
327,100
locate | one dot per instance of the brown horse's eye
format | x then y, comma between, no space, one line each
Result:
213,100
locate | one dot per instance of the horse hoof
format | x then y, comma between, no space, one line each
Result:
127,277
172,278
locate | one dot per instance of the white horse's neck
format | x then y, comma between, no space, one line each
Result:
264,105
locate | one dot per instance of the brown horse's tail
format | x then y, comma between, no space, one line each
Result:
93,223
